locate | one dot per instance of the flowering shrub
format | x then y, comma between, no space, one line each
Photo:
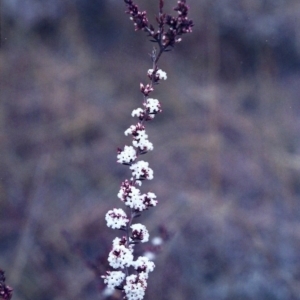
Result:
5,290
121,257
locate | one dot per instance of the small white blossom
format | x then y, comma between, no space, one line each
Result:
116,218
149,199
137,113
140,138
135,286
139,232
134,129
150,72
140,135
161,74
118,241
141,170
126,156
143,144
138,182
129,130
143,264
132,197
120,257
122,242
113,278
153,106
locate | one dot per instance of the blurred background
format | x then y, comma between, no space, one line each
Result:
226,148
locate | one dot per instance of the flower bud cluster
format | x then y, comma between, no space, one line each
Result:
139,18
177,26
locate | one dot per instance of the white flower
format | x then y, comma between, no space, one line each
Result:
150,72
126,156
161,74
138,182
140,135
116,218
137,113
153,106
140,139
134,129
143,264
139,232
120,257
129,130
132,197
135,287
118,241
149,199
143,144
141,170
122,242
113,278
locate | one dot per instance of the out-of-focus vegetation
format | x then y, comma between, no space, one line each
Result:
226,157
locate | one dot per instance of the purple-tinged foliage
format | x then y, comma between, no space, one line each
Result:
165,38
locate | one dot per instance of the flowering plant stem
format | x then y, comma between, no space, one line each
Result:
121,257
5,290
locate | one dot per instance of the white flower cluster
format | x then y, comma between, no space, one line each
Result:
153,106
160,74
119,242
140,232
121,255
116,218
139,112
132,197
113,278
141,170
135,287
143,264
140,138
126,156
138,130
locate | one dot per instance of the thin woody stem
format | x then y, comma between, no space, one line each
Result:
155,58
161,51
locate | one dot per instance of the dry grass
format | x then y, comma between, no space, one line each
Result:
226,162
